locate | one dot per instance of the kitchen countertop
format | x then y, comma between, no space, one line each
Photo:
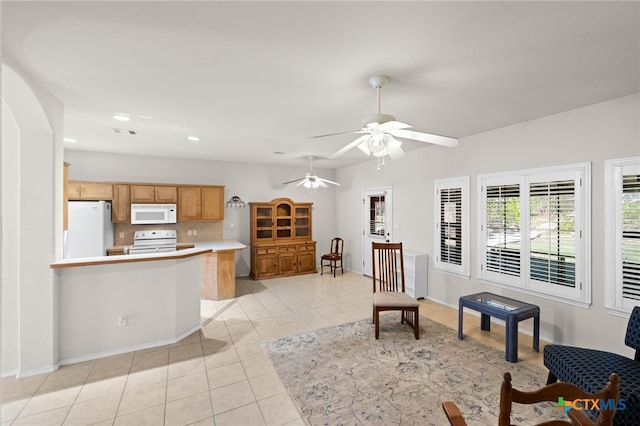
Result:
127,258
200,248
222,245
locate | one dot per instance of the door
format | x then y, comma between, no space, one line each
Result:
376,222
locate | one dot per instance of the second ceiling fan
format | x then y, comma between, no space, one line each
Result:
379,132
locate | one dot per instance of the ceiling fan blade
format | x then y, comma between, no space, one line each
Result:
328,181
321,183
292,181
349,146
302,181
397,154
334,134
425,137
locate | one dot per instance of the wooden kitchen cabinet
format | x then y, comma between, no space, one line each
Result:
142,194
200,203
281,243
77,190
121,205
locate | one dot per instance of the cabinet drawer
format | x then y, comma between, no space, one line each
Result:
286,250
304,248
266,250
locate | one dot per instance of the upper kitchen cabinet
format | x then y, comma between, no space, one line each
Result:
121,206
142,194
200,203
77,190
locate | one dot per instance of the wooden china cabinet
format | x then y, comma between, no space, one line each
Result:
281,241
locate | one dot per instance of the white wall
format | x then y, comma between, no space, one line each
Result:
32,201
594,133
252,182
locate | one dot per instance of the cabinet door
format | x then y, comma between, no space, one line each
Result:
96,191
166,194
142,194
306,260
121,206
265,264
189,203
287,261
74,190
212,203
261,222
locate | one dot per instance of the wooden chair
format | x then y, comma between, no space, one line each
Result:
334,258
566,391
388,286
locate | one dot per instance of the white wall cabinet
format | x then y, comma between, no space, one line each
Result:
415,274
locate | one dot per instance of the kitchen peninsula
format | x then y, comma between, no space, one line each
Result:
117,304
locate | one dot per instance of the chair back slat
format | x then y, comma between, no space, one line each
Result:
388,267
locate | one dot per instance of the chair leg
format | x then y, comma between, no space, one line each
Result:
334,267
376,320
416,325
551,378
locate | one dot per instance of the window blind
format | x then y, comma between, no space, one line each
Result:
552,231
503,245
451,225
631,236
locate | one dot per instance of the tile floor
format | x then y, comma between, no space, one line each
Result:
219,375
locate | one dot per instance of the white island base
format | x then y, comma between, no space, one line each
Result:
112,308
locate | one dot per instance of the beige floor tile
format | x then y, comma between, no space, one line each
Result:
185,386
151,416
147,377
141,397
50,401
219,359
13,387
247,415
100,388
231,396
112,366
52,417
258,366
9,410
185,352
225,375
187,367
278,409
93,411
266,386
67,376
150,358
247,351
188,410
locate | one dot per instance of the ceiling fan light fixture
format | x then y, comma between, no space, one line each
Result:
376,119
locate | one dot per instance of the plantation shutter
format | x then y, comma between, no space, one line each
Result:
451,226
631,237
552,213
503,245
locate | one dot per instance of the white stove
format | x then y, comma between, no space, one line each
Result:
154,242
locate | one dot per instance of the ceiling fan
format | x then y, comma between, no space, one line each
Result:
312,181
379,132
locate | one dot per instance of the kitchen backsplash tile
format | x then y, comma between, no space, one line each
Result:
205,231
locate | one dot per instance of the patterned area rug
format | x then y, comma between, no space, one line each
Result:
343,376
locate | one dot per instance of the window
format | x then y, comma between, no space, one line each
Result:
622,234
452,225
534,231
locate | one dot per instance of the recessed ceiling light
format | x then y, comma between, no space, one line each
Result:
193,138
121,117
70,140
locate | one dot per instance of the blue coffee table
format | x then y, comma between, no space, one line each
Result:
510,310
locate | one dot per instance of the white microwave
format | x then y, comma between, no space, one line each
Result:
148,214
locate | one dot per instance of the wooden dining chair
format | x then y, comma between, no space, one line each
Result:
388,287
566,391
334,257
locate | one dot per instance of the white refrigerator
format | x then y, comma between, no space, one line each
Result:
90,230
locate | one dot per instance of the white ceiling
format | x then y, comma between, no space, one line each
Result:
252,78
